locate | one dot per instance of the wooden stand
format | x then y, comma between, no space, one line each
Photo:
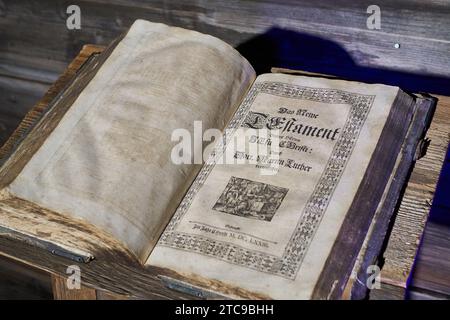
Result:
114,274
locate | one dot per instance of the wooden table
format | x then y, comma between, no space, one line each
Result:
114,274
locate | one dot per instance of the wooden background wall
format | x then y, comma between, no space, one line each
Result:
35,45
314,35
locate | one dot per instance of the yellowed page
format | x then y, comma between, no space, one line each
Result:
108,160
271,234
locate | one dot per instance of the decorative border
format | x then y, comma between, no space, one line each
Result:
289,263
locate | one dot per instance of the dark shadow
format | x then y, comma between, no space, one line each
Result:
293,50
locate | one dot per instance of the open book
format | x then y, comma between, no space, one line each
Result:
293,222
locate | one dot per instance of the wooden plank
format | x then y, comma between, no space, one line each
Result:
19,281
105,295
406,234
43,104
114,268
380,227
27,100
432,270
419,295
11,71
16,97
421,29
387,292
62,292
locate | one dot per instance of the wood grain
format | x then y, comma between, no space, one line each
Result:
62,292
19,281
42,106
43,118
432,268
421,28
114,268
406,234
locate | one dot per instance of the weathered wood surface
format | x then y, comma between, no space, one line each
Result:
16,97
31,115
433,269
19,281
431,274
114,269
42,119
62,292
420,27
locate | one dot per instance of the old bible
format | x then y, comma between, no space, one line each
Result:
299,212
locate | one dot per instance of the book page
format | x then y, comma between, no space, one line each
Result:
109,159
268,225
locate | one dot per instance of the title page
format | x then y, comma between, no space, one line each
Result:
268,225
